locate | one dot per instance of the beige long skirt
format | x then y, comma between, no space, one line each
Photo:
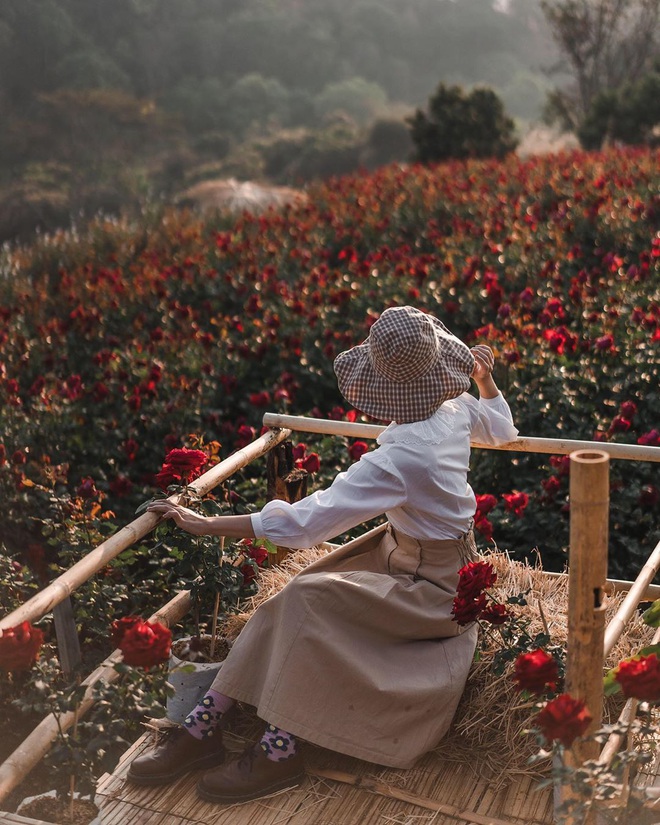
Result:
358,653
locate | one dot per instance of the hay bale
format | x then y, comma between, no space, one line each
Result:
489,731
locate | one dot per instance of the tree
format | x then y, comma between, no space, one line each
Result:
627,115
607,44
460,125
388,141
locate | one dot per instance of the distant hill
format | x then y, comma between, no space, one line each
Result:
105,104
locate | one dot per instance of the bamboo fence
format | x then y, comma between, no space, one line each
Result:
62,587
588,584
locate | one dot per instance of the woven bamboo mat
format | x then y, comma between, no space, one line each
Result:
435,792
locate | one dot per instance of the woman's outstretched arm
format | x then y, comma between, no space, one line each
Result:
234,527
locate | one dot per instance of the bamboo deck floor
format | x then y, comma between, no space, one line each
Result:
458,795
340,790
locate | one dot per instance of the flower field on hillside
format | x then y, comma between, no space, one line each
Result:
122,342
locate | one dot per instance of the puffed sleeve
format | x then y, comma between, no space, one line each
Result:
367,489
492,422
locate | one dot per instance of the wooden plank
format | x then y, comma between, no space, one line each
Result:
68,644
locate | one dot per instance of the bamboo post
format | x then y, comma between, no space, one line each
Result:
284,482
68,644
589,527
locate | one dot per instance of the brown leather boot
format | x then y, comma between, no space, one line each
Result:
250,776
175,754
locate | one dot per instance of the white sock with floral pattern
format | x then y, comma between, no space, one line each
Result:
277,744
202,721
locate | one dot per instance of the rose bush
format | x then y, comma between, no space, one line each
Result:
551,261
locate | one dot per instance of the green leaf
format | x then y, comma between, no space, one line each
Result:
270,547
610,684
189,668
651,649
652,615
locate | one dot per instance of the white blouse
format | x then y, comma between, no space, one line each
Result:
417,477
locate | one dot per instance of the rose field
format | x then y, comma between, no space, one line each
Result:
121,342
118,343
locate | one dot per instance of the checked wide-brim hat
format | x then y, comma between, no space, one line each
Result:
407,367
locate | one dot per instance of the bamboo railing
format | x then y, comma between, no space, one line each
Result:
32,749
62,587
589,510
37,744
523,444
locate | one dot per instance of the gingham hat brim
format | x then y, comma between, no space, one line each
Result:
405,401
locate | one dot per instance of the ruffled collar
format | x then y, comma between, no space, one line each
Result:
433,430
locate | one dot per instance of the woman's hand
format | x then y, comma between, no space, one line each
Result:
484,361
186,519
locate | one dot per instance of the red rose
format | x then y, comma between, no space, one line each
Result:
619,424
165,477
121,486
605,343
120,626
650,439
311,463
485,504
475,577
258,554
564,719
484,526
19,646
466,610
101,391
145,644
181,464
640,677
562,463
18,457
260,399
628,410
516,502
87,489
535,670
495,614
249,573
185,462
357,450
551,485
299,451
244,435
